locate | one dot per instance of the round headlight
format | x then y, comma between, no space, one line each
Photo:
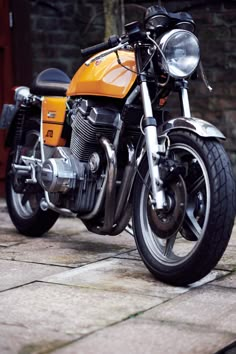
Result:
181,53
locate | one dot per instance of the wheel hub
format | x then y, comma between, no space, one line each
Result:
166,224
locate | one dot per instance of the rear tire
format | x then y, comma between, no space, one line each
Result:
23,200
202,234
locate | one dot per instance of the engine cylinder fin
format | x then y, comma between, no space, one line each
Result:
87,128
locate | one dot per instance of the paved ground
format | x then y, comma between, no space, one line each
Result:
73,292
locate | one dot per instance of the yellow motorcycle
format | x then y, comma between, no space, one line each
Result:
102,147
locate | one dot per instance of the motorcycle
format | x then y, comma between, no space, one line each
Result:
103,148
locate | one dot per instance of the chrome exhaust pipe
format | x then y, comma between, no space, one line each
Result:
123,221
111,185
126,183
107,192
117,210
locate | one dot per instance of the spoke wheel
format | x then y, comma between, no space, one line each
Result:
182,244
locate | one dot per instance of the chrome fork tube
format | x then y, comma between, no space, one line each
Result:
185,100
147,104
150,131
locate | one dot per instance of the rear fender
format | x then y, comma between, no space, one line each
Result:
10,112
21,94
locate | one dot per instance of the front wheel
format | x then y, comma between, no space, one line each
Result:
182,244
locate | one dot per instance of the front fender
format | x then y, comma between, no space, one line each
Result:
196,125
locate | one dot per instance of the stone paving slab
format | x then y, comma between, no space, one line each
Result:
2,204
10,238
136,336
5,220
39,314
130,255
228,281
228,261
8,234
212,307
13,273
123,275
66,250
232,241
110,303
68,226
74,226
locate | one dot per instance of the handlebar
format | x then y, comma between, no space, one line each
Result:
113,41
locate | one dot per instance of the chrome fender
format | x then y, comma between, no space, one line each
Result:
196,125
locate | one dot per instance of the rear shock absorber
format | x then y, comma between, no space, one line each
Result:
20,120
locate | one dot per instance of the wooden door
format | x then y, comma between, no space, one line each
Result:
6,78
15,59
6,75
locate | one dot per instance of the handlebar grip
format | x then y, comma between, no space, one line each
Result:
94,49
112,42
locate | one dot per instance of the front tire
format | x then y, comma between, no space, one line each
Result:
23,200
204,225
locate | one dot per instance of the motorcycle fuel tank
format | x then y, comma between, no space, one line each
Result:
105,77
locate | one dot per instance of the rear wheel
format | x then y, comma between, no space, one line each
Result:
23,199
183,244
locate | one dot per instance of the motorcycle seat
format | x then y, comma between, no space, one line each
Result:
50,82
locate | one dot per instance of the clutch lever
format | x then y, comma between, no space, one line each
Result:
105,53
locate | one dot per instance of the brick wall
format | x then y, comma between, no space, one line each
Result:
216,25
60,28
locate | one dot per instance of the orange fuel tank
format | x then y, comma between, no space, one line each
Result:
105,77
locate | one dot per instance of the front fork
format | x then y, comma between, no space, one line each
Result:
154,149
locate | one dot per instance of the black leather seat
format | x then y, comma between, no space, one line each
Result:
50,82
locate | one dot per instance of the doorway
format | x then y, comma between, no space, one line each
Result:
15,60
6,78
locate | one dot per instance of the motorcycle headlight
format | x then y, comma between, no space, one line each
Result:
181,53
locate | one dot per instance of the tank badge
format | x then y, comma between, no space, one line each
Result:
51,114
98,61
49,134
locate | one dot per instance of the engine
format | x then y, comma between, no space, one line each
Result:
72,175
60,174
89,122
